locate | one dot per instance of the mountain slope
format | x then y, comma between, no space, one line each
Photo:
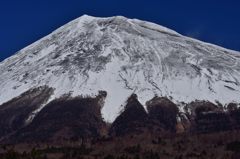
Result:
122,56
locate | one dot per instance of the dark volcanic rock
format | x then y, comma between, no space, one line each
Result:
213,122
232,107
164,111
13,114
80,118
65,118
198,107
133,119
207,117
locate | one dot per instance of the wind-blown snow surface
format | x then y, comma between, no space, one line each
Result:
122,56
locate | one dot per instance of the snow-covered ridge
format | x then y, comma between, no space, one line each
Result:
122,56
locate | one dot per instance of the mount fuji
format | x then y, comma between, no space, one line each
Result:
121,56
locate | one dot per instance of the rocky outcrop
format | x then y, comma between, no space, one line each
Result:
80,118
15,113
207,117
133,119
164,111
66,119
198,107
213,122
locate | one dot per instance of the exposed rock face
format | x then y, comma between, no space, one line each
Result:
15,114
65,118
69,118
232,106
213,122
197,107
133,119
207,117
164,111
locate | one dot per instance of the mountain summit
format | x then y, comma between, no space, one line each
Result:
121,56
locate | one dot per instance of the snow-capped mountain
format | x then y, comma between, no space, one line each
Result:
122,56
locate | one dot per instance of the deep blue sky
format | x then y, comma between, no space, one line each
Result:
25,21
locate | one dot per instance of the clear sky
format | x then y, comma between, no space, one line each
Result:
22,22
